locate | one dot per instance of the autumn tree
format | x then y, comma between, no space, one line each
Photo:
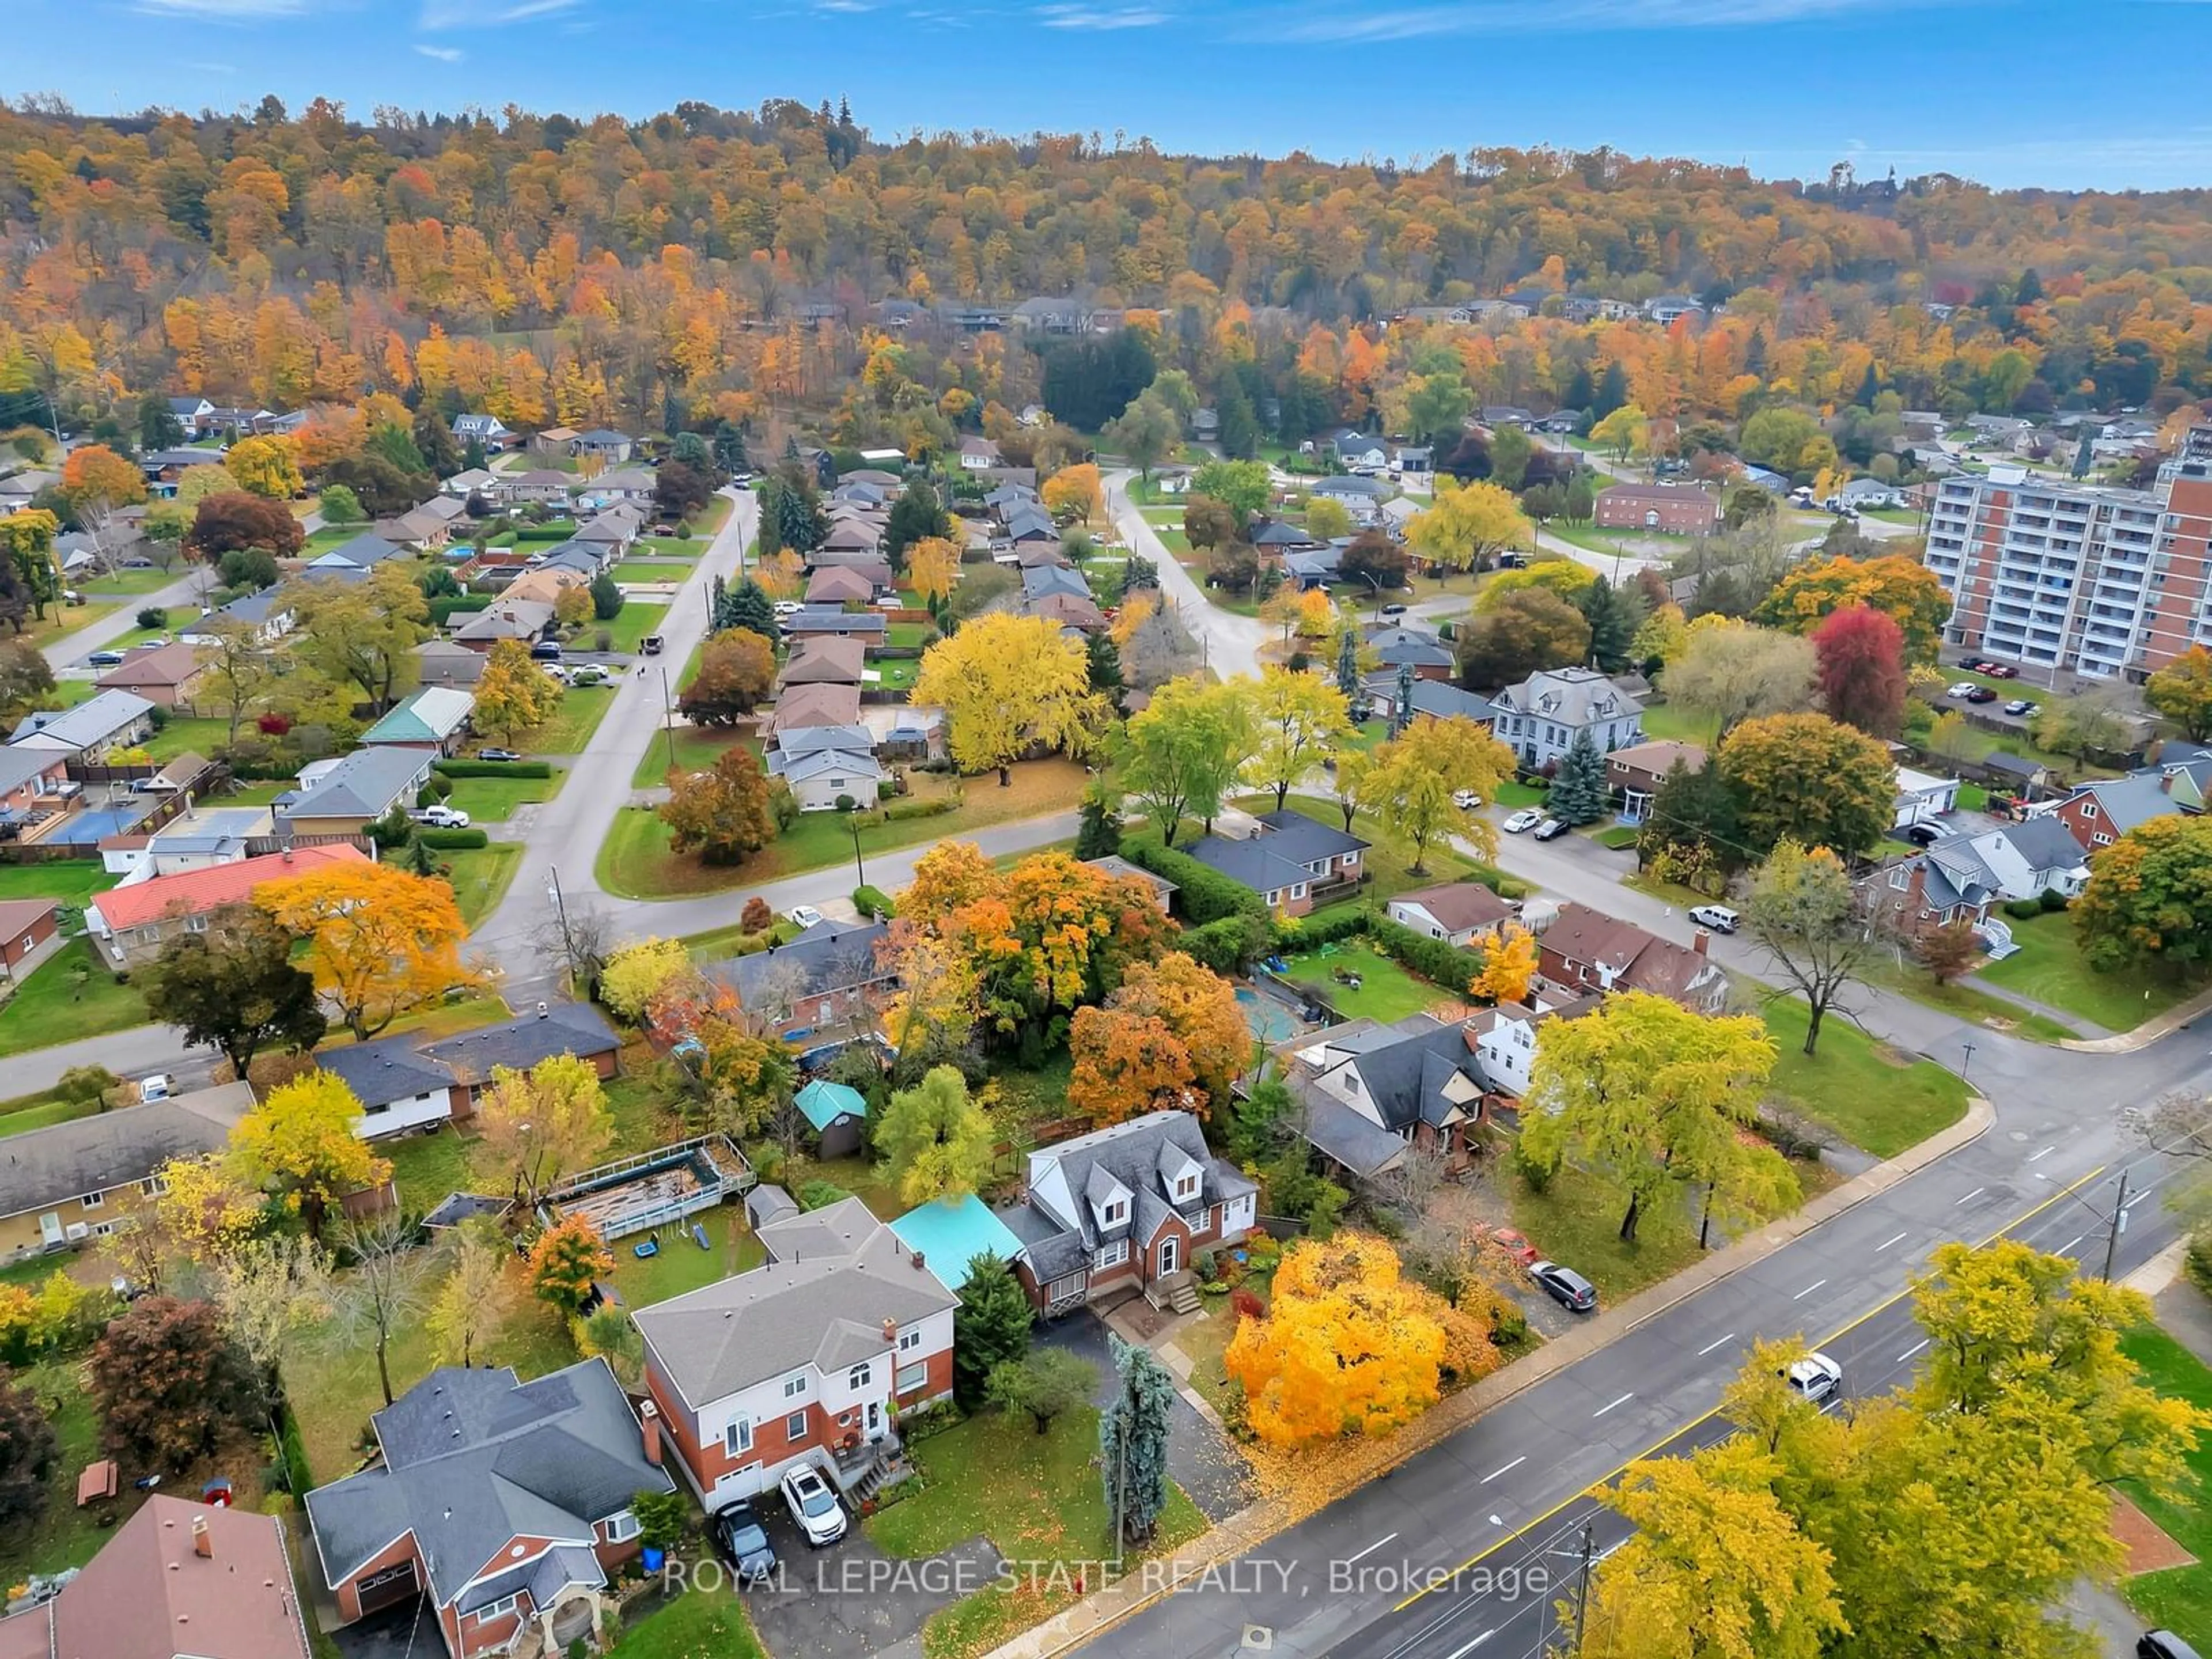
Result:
1526,632
233,986
1653,1096
1727,672
513,694
299,1146
384,1293
1350,1345
1804,910
916,515
1126,1064
1302,718
1372,559
1509,965
635,974
27,679
1198,1007
1625,432
545,1123
170,1384
30,577
1946,952
264,467
1073,494
363,633
28,1450
568,1259
2182,691
2148,895
1410,779
933,567
1467,524
1182,752
381,941
95,482
1903,589
236,670
1860,654
2086,725
1008,684
722,813
1806,778
736,669
470,1303
936,1140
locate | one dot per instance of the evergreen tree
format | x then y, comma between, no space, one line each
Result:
1581,501
1133,1441
159,428
1579,793
1869,389
1754,354
990,1326
1611,392
916,515
473,456
1403,716
1693,808
1613,619
748,605
1581,391
417,859
435,443
1105,663
1099,835
730,447
1347,666
1240,426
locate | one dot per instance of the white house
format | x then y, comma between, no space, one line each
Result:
1921,798
1459,913
1539,718
821,778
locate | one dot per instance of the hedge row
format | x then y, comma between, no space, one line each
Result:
1229,945
872,901
558,530
446,606
476,768
454,841
899,811
1433,959
1204,895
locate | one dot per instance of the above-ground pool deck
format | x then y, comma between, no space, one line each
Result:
654,1188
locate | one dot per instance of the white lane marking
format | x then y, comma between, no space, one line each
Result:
1494,1473
1914,1349
1710,1346
1808,1289
1623,1400
1970,1197
1886,1243
1369,1550
1473,1645
2068,1245
2045,1153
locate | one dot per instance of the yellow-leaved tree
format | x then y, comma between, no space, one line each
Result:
381,941
544,1123
1350,1345
1509,963
299,1144
265,467
1467,523
636,973
1008,684
514,695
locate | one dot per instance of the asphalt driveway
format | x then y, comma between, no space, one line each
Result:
851,1600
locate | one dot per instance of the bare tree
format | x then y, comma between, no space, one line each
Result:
270,1291
384,1290
576,940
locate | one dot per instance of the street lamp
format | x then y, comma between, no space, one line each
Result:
2116,1223
1968,1062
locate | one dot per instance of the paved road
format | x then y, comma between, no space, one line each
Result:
1231,643
132,1052
70,650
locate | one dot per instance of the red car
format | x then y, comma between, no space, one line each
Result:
1516,1244
2000,671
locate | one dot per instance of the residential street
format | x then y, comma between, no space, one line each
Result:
1231,643
71,649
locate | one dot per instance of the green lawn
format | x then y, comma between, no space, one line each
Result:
695,748
1615,837
2048,967
1388,861
72,881
895,674
187,734
1575,1221
487,800
481,876
666,547
1663,722
581,710
42,1112
1037,1497
1514,794
907,635
1387,992
129,583
692,1625
654,570
2180,1599
637,618
1879,1100
1998,1013
681,1265
69,996
63,1535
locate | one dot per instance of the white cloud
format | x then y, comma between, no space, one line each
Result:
220,11
440,15
1592,16
443,54
1100,17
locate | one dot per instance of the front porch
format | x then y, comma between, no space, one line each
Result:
865,1468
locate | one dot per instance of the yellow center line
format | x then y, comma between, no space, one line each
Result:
1527,1527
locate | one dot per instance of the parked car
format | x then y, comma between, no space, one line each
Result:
155,786
546,651
787,607
814,1505
1963,688
739,1540
2020,705
1565,1286
497,754
1467,800
652,645
1523,820
1551,829
806,915
105,658
1815,1377
1719,917
1927,835
2162,1645
1516,1244
1512,561
441,817
155,1085
2000,671
1981,693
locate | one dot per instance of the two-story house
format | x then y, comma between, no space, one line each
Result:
1539,719
504,1503
1293,862
808,1358
1585,949
1125,1209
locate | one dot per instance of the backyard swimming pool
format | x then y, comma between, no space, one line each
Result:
1270,1021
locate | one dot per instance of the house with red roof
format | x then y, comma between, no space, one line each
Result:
131,923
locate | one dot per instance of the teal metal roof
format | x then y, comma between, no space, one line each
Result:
952,1232
824,1102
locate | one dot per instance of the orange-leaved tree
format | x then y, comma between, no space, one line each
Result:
381,941
1350,1345
1126,1065
1199,1006
1509,963
567,1257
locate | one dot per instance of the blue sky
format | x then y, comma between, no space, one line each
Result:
2105,94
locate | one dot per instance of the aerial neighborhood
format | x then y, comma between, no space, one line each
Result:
725,858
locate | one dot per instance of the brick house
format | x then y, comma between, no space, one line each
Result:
807,1359
1123,1209
831,973
1674,509
2098,814
1290,861
170,676
27,926
1635,774
1915,895
131,923
1585,949
505,1503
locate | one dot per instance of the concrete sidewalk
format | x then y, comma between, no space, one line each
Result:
2127,1042
1359,1462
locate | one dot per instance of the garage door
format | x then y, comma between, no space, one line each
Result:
382,1589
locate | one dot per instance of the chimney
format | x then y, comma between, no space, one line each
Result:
648,1417
203,1543
918,1262
1699,940
891,1330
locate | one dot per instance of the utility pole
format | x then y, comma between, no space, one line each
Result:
667,718
1581,1588
853,822
2119,1226
560,911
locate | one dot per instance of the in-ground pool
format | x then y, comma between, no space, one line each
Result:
1270,1021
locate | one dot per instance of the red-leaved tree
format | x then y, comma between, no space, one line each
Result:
1859,654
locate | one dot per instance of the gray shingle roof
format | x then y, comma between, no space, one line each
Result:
93,722
1067,1180
388,1069
829,956
1355,1142
564,1028
365,784
43,1167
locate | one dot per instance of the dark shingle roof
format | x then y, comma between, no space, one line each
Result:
564,1028
829,957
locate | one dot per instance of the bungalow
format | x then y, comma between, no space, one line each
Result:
111,720
853,739
825,659
177,1566
808,706
1309,569
1079,612
1290,861
28,927
543,583
838,1114
169,675
602,444
505,1503
628,484
434,718
196,839
1539,718
363,552
1352,491
444,663
1361,454
1435,700
553,441
611,532
556,1028
28,774
69,1182
476,481
839,585
267,613
1126,1208
1495,416
870,626
1279,536
830,975
1121,869
977,454
1584,949
1039,580
487,432
1428,657
540,485
805,1360
831,780
1635,773
526,620
1459,913
398,1087
345,795
1025,524
129,924
415,530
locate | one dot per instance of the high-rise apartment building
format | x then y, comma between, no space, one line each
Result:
2054,573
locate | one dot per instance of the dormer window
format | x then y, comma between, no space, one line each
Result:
1186,1187
1114,1214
